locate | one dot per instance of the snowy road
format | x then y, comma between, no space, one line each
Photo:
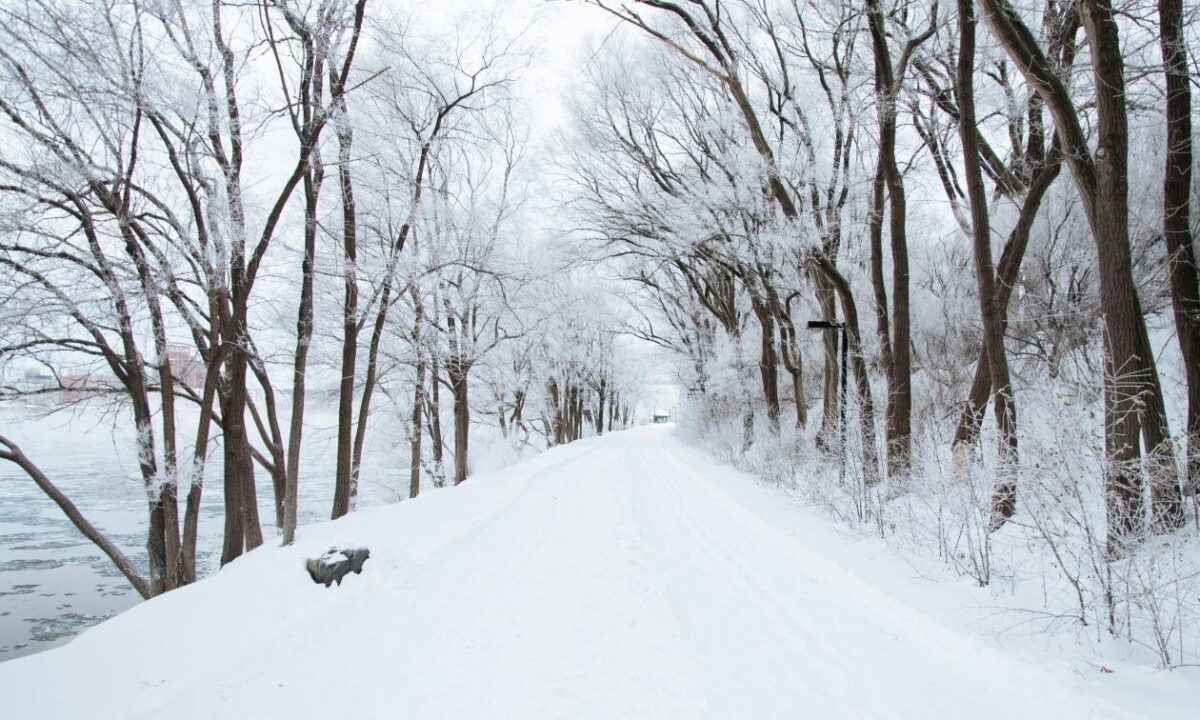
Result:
613,578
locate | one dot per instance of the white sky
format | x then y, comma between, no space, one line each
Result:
555,32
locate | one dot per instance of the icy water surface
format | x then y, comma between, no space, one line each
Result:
54,583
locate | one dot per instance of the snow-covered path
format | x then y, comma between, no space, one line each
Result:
612,578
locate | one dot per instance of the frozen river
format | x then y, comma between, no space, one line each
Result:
54,582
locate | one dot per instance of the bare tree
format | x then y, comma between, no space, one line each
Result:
1005,494
1101,179
429,93
889,79
1177,228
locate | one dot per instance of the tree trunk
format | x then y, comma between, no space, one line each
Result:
516,420
899,415
556,402
369,383
272,436
793,363
571,403
162,539
1131,378
242,529
971,420
579,406
435,422
191,516
832,371
768,364
344,489
1004,496
414,467
170,491
1177,232
1130,342
462,421
599,419
878,284
156,549
862,383
789,353
313,178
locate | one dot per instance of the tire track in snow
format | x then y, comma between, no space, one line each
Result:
871,651
610,579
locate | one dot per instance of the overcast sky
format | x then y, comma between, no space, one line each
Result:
557,33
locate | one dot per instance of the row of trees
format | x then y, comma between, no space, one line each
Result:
183,183
746,162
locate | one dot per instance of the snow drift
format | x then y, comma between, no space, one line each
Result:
623,576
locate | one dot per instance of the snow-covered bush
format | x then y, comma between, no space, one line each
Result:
1050,562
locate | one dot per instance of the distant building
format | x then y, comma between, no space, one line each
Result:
658,398
185,366
38,377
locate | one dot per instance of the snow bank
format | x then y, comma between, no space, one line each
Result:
623,576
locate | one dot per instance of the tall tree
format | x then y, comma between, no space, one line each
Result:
1004,496
1177,228
889,78
1102,180
303,113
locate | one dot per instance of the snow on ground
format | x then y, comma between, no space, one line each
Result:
623,576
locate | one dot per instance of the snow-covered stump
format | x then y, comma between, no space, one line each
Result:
335,564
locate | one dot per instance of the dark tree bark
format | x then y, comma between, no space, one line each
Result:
414,468
1004,496
862,383
826,300
313,178
370,382
1101,178
310,91
1009,270
580,412
601,396
789,352
1177,233
457,374
768,361
1034,173
345,483
888,78
789,347
191,517
883,325
435,421
242,529
271,434
559,422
